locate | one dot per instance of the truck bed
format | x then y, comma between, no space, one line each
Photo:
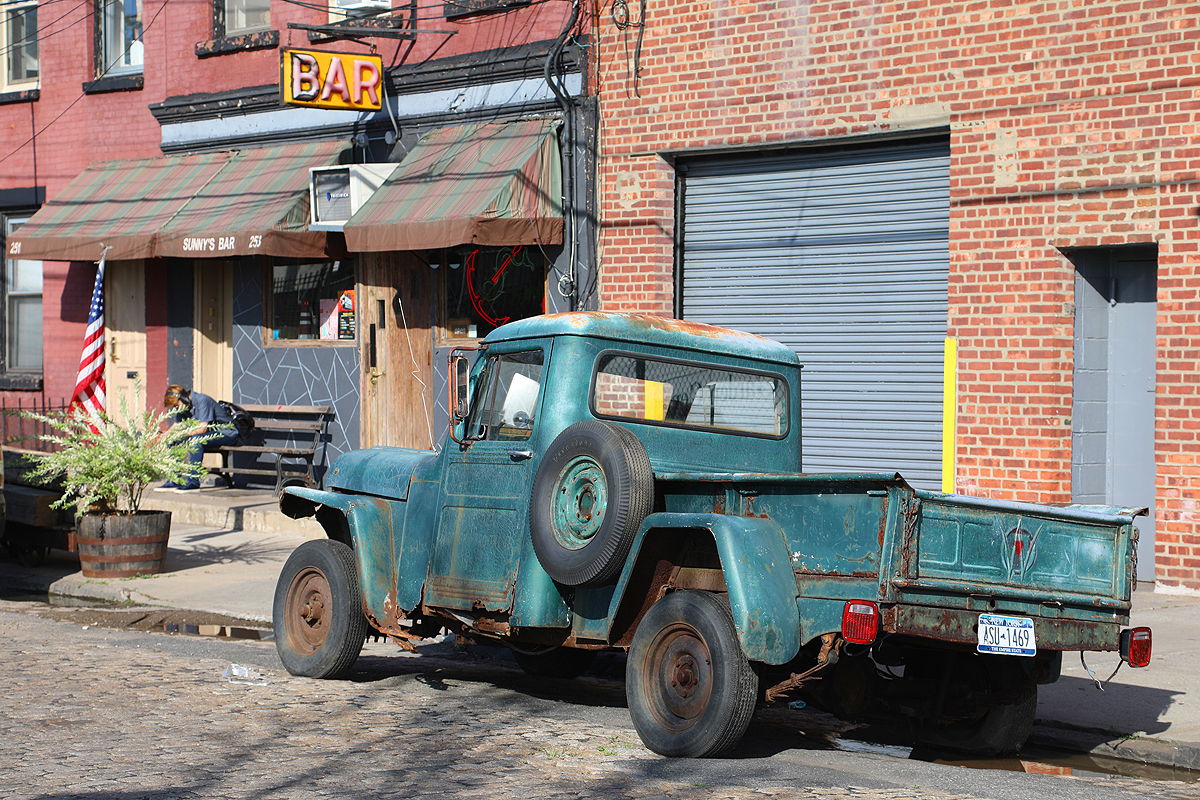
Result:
935,562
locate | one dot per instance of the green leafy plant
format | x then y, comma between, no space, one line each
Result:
105,468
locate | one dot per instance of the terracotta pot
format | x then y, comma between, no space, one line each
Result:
123,545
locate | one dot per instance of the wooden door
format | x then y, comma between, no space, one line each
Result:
213,372
125,323
395,301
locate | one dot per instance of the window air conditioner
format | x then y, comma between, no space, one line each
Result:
337,192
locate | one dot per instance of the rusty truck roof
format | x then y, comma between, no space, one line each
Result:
647,329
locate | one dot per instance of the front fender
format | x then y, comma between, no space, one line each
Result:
371,522
758,576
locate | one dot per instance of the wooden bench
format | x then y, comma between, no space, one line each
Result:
303,427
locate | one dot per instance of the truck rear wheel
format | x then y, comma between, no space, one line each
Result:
690,689
318,616
591,492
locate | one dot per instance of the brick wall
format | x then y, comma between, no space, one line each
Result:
1071,124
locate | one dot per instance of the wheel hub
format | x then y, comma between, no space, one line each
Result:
578,506
307,616
685,681
681,677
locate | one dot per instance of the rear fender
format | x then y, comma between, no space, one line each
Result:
367,525
758,576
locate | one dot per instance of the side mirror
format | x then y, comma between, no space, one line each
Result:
460,380
460,389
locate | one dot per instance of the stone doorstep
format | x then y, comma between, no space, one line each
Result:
232,513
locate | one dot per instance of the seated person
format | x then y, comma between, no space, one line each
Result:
202,408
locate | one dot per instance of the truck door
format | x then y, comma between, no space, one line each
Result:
484,518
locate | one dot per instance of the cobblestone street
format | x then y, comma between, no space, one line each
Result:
94,713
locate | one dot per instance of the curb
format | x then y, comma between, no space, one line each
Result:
81,588
1144,750
78,587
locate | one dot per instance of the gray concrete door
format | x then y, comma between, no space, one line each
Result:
1113,416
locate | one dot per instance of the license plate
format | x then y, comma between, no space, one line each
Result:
1011,636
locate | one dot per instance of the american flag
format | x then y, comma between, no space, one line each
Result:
89,385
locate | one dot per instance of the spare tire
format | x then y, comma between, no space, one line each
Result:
591,492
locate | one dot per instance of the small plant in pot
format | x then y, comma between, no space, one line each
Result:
103,468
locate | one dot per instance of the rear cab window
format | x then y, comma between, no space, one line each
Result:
690,394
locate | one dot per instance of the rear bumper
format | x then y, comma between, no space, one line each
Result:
960,626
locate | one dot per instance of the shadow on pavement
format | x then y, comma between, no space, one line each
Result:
1122,709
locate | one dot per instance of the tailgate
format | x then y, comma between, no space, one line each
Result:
1067,565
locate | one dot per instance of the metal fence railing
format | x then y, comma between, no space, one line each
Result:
19,433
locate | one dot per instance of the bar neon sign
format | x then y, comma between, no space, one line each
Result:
320,79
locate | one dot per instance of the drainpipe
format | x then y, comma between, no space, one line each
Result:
558,87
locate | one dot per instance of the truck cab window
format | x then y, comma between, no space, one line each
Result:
507,397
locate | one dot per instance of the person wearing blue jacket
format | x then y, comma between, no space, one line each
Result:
201,408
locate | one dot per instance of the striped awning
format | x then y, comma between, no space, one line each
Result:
257,204
485,184
244,202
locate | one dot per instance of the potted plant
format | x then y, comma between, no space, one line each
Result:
104,467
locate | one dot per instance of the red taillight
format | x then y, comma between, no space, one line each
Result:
860,622
1135,646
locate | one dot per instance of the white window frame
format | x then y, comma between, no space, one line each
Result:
110,18
9,48
12,221
229,13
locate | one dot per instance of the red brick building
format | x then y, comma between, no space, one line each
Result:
1020,178
161,83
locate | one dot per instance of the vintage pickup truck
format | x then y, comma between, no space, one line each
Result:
631,482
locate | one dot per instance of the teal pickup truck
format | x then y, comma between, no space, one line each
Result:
634,483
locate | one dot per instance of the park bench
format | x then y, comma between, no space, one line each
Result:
298,432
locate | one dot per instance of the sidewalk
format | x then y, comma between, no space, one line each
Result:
1149,715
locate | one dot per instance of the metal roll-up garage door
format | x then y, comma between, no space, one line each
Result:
844,257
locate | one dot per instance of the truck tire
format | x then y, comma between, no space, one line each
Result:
690,689
1002,729
591,492
318,616
554,662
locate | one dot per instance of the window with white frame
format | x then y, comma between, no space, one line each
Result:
22,308
119,37
19,40
244,16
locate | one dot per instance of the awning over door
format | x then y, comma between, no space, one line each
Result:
487,184
257,204
245,202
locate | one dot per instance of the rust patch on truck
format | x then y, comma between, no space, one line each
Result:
910,514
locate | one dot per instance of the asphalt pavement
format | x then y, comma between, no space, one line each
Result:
1150,715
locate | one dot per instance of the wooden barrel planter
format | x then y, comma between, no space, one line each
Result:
123,545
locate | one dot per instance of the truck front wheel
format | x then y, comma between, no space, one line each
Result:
690,689
318,617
